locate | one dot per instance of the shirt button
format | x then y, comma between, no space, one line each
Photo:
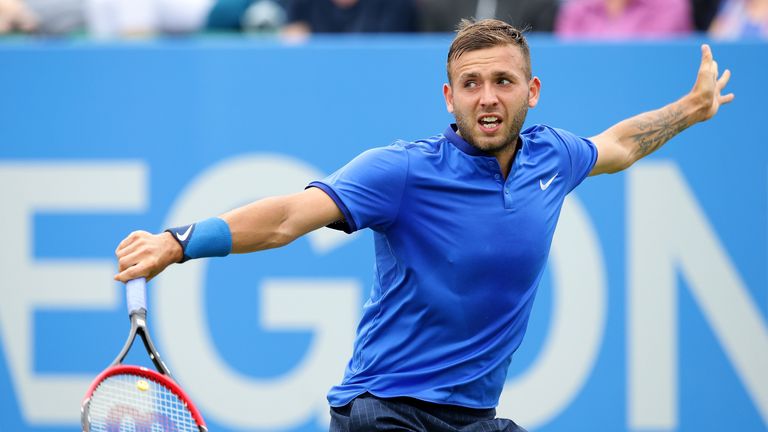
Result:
497,176
506,191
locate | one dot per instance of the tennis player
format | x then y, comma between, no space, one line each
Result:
462,223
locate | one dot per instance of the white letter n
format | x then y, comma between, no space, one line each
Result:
669,232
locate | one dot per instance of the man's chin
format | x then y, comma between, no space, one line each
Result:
485,142
489,145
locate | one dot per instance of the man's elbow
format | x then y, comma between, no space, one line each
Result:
623,163
616,160
282,236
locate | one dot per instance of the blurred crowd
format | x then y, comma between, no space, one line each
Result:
595,19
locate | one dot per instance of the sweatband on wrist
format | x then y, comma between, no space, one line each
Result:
208,238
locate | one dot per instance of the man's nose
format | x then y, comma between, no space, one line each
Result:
488,96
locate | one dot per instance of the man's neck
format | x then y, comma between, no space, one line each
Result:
506,157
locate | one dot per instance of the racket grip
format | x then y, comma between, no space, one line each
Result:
136,295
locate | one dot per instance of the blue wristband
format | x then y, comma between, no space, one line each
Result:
208,238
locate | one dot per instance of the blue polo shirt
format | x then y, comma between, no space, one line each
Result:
459,255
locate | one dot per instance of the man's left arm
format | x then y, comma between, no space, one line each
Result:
626,142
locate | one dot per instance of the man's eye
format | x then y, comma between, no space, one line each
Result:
504,81
470,84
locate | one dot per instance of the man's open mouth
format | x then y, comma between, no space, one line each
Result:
489,122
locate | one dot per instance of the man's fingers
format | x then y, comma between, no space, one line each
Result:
128,260
126,241
721,83
127,271
135,265
706,55
127,251
708,67
727,98
130,239
129,274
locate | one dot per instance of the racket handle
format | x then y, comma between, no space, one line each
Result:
136,295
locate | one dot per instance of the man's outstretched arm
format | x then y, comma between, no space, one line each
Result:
626,142
264,224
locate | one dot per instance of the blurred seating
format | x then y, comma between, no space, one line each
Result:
58,17
103,18
602,19
253,16
623,19
350,16
138,18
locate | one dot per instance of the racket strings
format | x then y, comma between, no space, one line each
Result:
133,403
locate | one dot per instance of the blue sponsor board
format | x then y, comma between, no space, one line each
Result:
651,316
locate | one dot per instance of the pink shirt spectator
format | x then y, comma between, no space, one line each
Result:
621,19
741,19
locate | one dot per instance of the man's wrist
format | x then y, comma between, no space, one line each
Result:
694,106
208,238
176,253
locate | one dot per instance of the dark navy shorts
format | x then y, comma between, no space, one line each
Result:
370,413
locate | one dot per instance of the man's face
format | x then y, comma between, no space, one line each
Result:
490,95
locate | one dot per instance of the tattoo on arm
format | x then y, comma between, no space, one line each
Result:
656,128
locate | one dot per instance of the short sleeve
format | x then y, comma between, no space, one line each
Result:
368,190
582,154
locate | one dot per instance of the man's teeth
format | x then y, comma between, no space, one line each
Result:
489,121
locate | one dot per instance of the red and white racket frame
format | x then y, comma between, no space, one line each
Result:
137,312
150,375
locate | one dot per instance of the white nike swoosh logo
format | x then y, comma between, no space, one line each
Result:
544,186
183,237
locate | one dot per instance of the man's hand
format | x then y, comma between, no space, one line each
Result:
707,92
626,142
142,254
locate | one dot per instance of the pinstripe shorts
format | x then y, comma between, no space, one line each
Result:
370,413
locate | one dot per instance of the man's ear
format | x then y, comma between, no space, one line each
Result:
448,95
534,91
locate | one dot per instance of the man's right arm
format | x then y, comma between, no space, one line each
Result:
264,224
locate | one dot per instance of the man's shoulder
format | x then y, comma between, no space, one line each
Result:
400,151
541,130
545,135
425,145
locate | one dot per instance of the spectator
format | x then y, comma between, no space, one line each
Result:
704,12
258,16
103,18
442,15
121,18
741,19
58,17
624,18
15,16
350,16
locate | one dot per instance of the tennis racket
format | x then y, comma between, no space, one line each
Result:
126,398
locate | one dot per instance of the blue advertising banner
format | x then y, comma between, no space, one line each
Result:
651,315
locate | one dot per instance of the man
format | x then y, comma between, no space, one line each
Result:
442,15
350,16
462,224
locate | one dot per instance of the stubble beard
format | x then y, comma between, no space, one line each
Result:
510,132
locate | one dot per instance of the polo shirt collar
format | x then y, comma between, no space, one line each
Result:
461,144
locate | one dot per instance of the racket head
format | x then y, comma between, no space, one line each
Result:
126,398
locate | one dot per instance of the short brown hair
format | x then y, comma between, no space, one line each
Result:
474,35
